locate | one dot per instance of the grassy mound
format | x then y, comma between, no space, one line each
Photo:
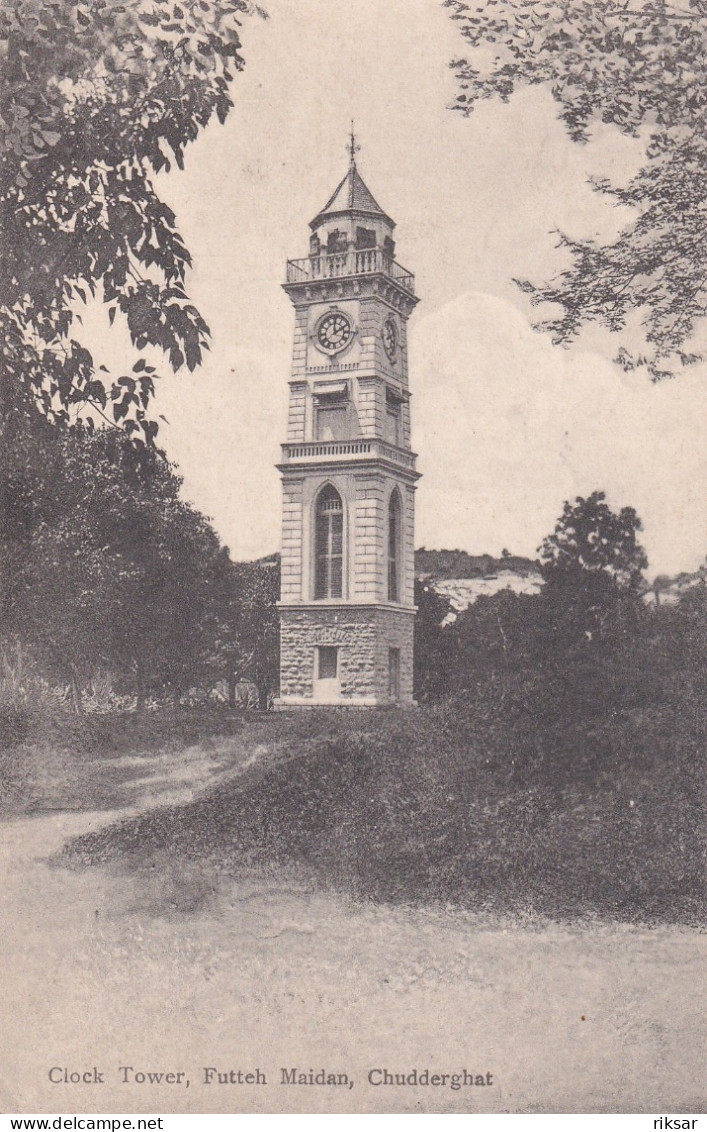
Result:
432,806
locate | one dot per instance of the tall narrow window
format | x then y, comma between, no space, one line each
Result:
394,517
329,544
393,419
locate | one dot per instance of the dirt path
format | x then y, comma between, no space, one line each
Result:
180,974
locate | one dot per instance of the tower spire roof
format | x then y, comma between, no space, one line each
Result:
351,194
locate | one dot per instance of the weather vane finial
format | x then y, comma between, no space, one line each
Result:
353,146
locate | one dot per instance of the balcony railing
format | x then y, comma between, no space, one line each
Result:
327,450
370,261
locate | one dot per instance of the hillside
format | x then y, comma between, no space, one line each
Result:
434,565
463,578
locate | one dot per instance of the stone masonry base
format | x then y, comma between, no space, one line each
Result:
374,656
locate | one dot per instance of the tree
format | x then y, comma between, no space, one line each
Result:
592,541
96,97
105,567
249,638
641,67
54,567
592,605
168,608
431,652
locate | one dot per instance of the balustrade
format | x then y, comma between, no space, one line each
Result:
368,261
334,449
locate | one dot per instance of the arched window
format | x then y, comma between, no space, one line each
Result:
328,544
394,555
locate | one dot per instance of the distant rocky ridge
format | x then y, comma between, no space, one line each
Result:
463,577
431,565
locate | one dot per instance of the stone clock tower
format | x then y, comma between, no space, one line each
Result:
348,473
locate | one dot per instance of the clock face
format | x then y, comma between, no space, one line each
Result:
390,338
334,332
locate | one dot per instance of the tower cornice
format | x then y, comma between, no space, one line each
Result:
304,292
357,455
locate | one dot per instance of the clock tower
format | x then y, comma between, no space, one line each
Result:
348,473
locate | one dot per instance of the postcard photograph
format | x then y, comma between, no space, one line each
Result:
353,601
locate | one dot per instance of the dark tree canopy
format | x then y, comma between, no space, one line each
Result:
106,569
105,566
592,540
430,653
643,68
96,97
252,644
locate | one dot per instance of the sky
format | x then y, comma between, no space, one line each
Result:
506,425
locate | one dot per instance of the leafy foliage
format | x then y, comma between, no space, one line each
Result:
97,96
567,653
96,545
247,643
430,661
106,568
591,539
570,637
641,67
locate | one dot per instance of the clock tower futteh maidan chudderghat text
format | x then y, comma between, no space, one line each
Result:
348,473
